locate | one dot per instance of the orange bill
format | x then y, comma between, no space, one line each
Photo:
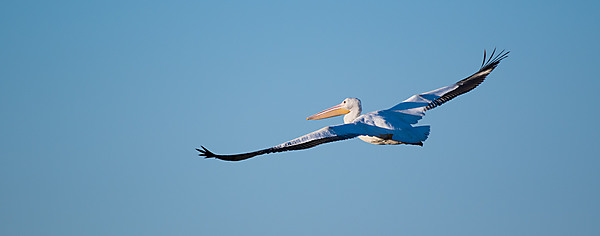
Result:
331,112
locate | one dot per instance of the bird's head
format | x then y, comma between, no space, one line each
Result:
347,106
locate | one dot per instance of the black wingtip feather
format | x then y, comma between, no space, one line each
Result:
492,61
205,152
484,56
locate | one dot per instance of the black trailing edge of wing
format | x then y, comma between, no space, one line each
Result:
305,145
471,82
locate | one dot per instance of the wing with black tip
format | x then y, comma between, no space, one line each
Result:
324,135
413,109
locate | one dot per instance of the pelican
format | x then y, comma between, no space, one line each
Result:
384,127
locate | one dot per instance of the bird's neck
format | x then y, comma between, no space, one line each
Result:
354,113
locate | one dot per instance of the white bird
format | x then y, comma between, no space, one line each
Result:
384,127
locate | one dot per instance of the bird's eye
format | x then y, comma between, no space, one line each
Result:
344,101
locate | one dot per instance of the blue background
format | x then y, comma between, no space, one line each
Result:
103,102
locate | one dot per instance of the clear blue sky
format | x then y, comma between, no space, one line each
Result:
103,103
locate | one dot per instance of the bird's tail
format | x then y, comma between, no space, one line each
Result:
421,132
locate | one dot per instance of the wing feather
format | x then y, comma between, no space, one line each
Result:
472,81
413,109
324,135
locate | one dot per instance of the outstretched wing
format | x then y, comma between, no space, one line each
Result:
413,109
324,135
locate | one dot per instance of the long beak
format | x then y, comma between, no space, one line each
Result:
331,112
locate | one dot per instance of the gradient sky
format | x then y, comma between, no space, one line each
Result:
103,103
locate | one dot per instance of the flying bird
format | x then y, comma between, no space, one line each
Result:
392,126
